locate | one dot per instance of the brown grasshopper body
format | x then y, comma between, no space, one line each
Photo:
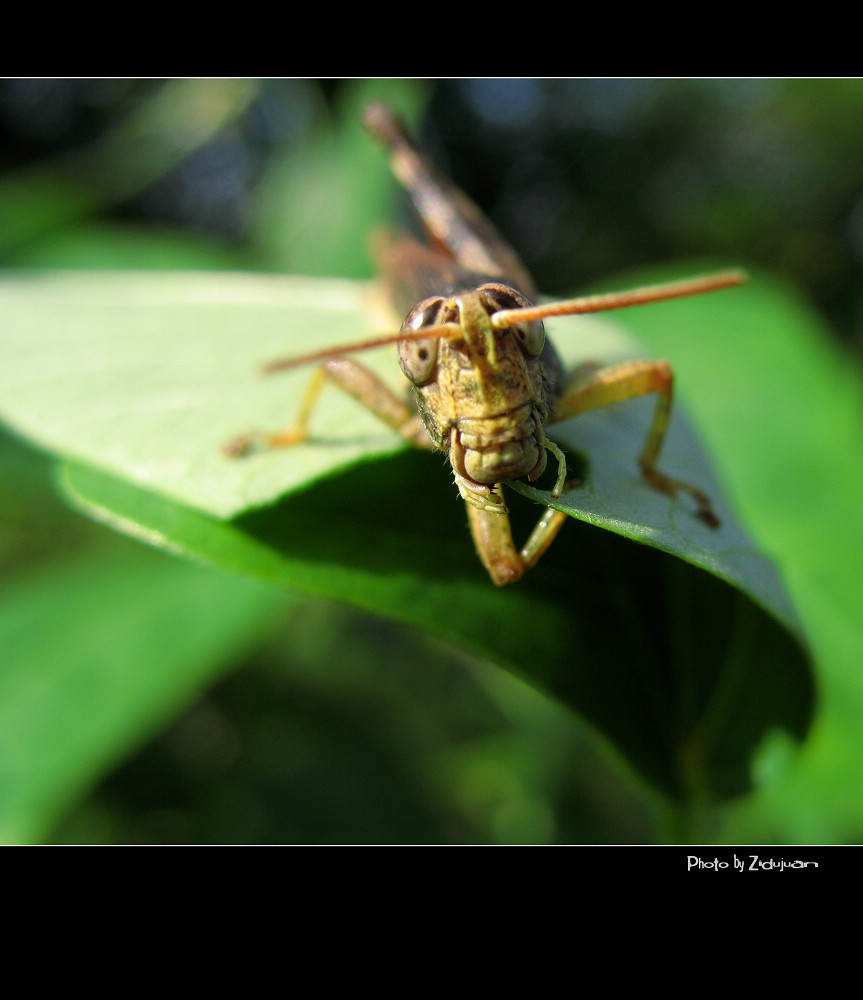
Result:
486,380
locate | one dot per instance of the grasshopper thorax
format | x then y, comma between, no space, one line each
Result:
481,391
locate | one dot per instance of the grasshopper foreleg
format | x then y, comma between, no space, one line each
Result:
493,540
359,382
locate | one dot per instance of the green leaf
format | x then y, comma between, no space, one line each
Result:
684,665
681,672
149,374
778,403
75,699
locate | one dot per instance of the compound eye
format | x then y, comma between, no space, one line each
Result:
530,336
417,358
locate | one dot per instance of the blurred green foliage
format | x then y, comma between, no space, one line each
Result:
340,727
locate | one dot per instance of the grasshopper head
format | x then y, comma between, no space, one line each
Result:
466,315
481,390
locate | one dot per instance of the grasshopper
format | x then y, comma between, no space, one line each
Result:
485,379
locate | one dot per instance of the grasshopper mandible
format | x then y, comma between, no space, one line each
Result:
485,379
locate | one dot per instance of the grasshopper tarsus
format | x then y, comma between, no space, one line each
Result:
255,441
706,513
239,447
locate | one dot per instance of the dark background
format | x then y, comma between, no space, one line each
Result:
586,177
